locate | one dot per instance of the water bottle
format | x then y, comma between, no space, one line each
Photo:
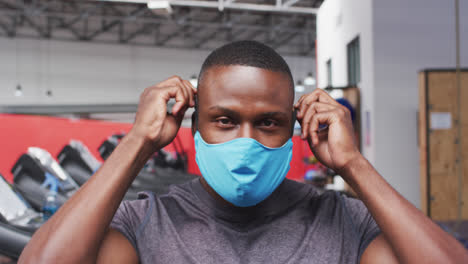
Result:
51,204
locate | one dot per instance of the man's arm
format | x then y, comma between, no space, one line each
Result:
379,251
413,237
79,231
76,230
408,236
115,248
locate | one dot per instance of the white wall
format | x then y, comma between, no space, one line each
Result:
398,39
86,73
339,22
409,36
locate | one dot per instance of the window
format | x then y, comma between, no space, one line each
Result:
329,73
354,62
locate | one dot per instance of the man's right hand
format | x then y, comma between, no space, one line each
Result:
81,225
152,121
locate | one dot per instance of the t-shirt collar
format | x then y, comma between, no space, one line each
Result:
286,195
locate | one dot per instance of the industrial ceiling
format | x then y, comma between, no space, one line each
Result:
286,25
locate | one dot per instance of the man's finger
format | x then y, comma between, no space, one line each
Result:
184,90
318,106
179,82
326,97
318,95
188,88
296,105
177,93
319,119
315,107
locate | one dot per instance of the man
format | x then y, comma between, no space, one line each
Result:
241,210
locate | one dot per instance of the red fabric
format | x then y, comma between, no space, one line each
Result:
18,132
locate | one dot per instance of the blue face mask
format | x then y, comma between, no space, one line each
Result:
243,171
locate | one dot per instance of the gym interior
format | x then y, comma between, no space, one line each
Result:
73,76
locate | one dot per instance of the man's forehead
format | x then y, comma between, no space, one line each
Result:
245,82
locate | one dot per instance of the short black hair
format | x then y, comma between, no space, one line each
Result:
247,53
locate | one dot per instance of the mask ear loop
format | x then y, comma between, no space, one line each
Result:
294,118
195,113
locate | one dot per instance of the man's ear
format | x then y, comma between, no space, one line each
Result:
194,123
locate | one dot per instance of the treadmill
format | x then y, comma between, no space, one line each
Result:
29,176
18,221
80,164
76,159
159,172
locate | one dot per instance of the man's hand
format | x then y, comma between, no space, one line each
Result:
335,145
152,121
81,225
407,236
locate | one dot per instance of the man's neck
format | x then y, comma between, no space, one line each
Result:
214,194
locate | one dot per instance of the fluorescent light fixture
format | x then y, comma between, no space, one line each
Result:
18,91
309,80
162,7
299,87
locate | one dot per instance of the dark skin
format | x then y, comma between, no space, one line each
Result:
236,101
229,108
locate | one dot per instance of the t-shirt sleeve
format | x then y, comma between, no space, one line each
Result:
130,216
365,225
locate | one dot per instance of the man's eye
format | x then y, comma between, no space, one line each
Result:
268,123
224,122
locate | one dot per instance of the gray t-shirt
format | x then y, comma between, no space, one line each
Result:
295,224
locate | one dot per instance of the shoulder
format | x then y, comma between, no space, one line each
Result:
147,201
333,204
133,216
351,211
139,207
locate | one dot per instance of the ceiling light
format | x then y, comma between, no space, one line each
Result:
160,7
309,80
299,87
18,91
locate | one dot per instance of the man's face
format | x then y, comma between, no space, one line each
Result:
244,101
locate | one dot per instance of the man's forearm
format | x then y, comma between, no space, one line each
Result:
413,236
75,231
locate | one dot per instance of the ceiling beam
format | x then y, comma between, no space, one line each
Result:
290,3
122,23
232,5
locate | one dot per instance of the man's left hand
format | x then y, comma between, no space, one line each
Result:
334,143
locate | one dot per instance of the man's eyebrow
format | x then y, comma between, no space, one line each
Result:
233,113
274,114
224,110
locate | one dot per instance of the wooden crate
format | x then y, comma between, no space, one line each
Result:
438,143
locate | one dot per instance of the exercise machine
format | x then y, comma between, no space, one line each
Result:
18,221
29,176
